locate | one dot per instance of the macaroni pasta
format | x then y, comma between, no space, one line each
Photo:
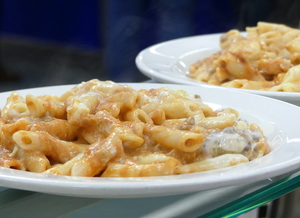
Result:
101,128
267,58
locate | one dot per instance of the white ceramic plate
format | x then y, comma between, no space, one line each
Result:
168,62
279,120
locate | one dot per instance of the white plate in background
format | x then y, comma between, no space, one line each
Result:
279,121
169,62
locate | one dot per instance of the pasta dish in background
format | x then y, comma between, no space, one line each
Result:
266,58
101,128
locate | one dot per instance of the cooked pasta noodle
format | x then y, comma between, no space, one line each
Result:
267,58
103,129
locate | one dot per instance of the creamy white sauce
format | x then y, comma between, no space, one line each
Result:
230,140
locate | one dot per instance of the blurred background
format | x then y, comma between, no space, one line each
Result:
68,41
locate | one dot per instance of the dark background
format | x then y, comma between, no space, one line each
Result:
68,41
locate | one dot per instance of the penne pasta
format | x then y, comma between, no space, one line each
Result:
219,162
179,139
14,108
97,156
34,161
45,105
59,150
141,170
9,161
267,58
59,128
103,129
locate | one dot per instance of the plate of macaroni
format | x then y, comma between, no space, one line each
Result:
105,139
262,60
